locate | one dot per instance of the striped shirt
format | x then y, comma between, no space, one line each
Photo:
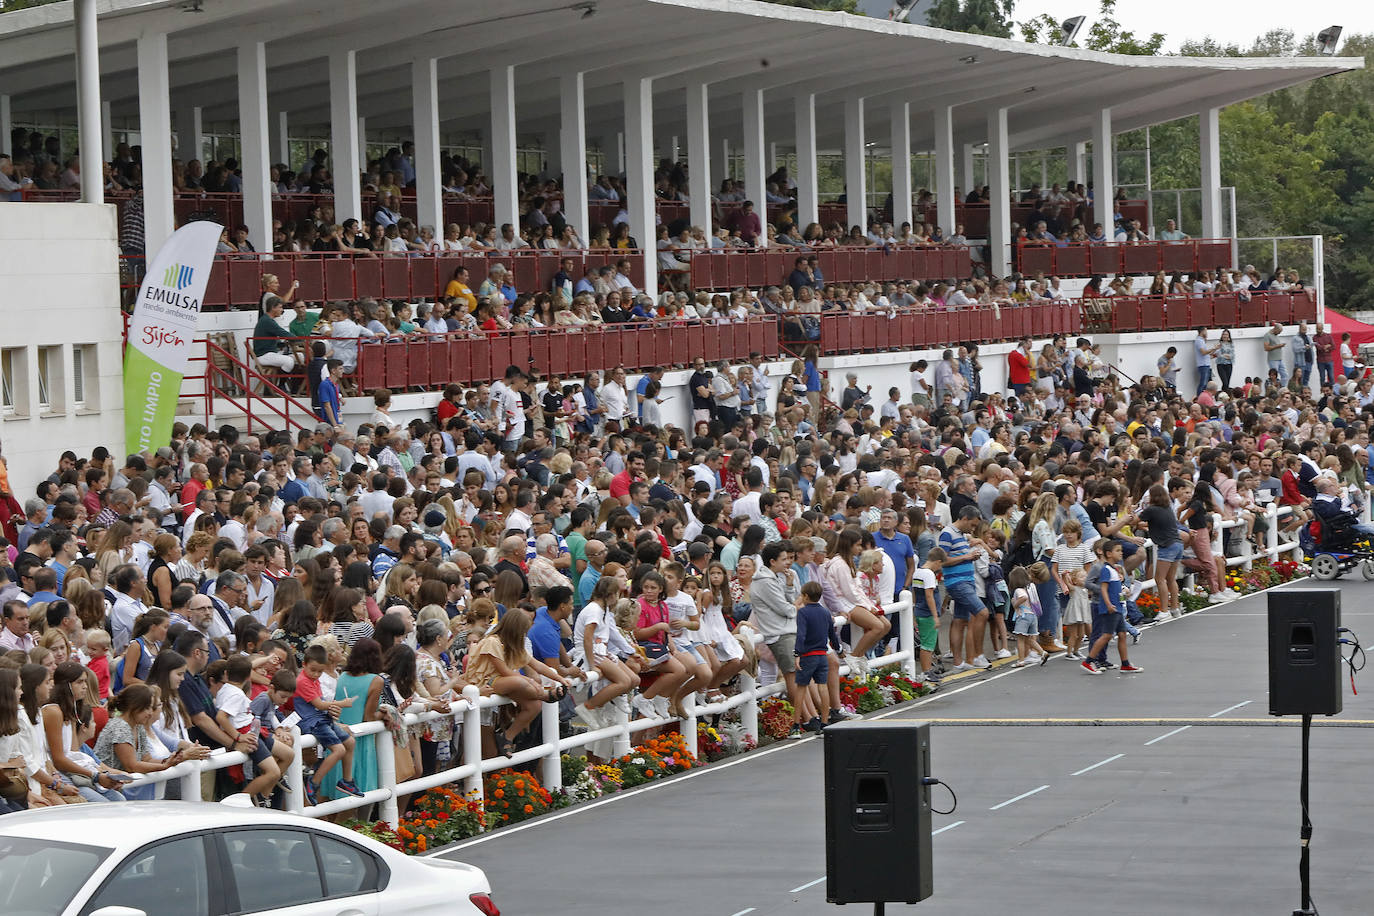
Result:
955,545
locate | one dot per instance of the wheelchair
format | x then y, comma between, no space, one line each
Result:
1333,548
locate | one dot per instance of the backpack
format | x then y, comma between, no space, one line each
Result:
1018,555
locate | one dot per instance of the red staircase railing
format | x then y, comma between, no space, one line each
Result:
234,383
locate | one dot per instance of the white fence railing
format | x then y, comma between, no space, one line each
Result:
466,715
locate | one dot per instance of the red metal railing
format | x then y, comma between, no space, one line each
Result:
921,329
733,268
236,279
1128,314
1188,256
235,384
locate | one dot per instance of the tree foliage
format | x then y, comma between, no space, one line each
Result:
1104,34
979,17
834,6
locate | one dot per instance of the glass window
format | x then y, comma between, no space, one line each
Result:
347,869
273,868
39,878
169,879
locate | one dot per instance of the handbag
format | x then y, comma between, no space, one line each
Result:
14,783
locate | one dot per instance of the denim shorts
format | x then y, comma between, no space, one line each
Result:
1110,623
327,732
966,601
1170,553
812,669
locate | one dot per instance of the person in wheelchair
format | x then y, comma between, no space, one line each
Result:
1340,527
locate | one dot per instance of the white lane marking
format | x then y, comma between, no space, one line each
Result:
807,884
1167,735
946,827
1098,764
692,774
1018,798
1230,709
742,912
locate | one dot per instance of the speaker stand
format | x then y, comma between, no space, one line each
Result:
879,908
1305,856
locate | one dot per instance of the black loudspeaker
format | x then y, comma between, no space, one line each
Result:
877,812
1304,652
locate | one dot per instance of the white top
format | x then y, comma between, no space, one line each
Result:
593,614
234,701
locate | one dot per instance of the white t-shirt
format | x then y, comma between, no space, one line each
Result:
681,607
593,615
922,580
234,701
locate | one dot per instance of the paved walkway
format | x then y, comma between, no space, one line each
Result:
1182,801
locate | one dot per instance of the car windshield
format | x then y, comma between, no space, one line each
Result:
40,877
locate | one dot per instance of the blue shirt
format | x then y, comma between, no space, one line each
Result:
955,545
329,397
545,636
641,389
812,377
815,629
898,548
585,583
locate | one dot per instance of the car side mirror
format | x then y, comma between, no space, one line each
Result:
118,911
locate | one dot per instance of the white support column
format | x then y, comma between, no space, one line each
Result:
725,162
639,172
1079,152
699,154
155,129
808,201
257,197
345,132
6,123
754,173
855,174
573,152
107,143
1209,137
999,208
190,133
967,168
502,167
88,103
424,101
674,148
900,116
1104,184
944,168
279,124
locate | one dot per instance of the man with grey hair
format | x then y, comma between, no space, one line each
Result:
388,552
542,570
231,590
335,532
512,559
35,514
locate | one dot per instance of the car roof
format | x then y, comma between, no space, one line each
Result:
126,825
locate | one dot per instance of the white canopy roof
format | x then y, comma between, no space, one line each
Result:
1051,92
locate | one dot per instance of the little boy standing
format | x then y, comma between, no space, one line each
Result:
317,718
816,636
1111,608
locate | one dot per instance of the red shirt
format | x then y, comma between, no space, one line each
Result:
1018,367
101,667
189,491
446,409
307,687
620,484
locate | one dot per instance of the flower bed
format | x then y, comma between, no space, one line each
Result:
512,796
437,818
1263,574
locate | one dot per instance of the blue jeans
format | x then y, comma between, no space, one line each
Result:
965,597
1282,370
1049,608
1326,373
1204,375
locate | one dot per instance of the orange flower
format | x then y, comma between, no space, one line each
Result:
648,772
520,783
500,793
529,809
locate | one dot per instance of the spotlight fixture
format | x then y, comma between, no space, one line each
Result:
971,59
1068,30
1327,39
587,9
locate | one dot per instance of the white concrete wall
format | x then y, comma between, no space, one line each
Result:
59,290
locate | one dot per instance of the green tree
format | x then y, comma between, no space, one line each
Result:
978,17
1105,33
834,6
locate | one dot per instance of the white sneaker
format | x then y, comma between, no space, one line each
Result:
948,656
981,662
644,706
1004,653
586,715
1221,596
660,705
1163,616
621,703
962,666
1024,662
858,667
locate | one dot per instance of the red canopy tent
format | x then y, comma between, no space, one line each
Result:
1360,333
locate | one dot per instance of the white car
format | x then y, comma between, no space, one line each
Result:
194,859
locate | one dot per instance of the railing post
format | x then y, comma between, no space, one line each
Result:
749,712
689,722
906,634
620,744
1271,534
551,763
1249,554
472,742
295,779
386,776
190,782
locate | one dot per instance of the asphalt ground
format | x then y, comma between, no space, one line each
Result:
1166,792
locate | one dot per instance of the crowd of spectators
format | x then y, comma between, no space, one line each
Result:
532,531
